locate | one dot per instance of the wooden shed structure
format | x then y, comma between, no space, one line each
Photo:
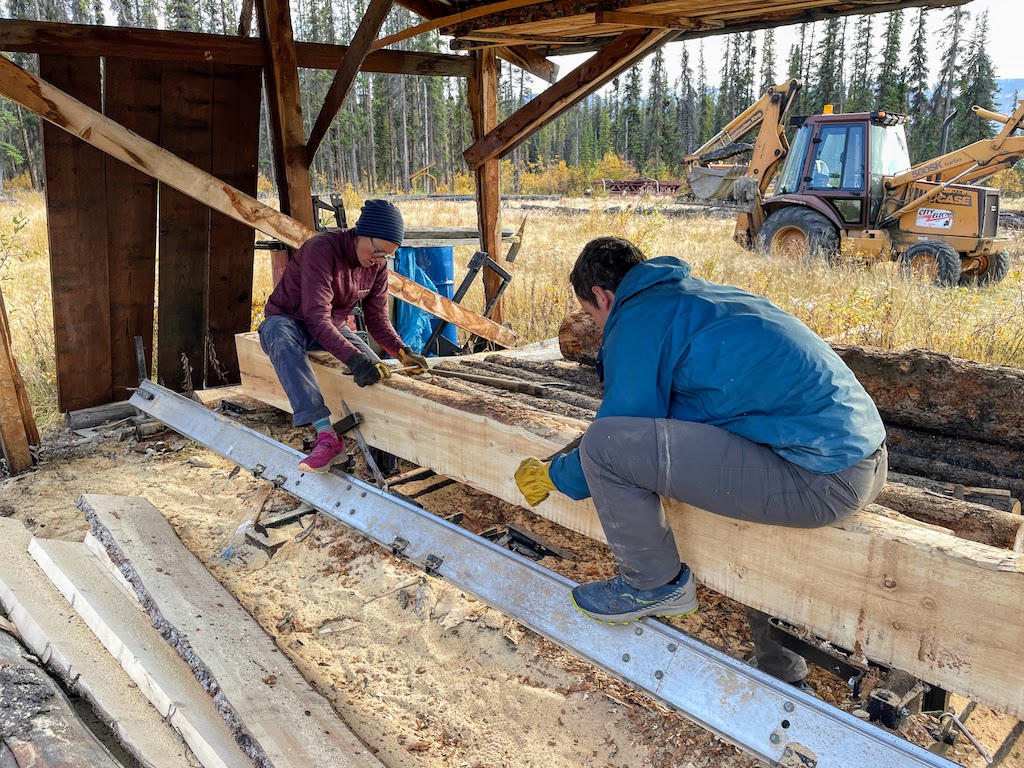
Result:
151,146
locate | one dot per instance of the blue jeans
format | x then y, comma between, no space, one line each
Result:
286,341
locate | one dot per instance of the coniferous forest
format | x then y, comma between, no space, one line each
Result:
641,124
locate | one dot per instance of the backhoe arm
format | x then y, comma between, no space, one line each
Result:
769,148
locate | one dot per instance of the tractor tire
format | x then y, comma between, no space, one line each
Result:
799,234
996,268
931,260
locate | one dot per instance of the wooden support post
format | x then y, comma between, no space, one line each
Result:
616,57
290,157
483,106
17,426
76,118
373,19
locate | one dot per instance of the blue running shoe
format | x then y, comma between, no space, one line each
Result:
615,602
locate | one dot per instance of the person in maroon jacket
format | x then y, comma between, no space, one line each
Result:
309,310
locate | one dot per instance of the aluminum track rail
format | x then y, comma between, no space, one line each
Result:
769,719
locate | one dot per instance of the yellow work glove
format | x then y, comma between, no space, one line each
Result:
534,481
410,359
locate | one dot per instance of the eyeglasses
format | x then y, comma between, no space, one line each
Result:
377,252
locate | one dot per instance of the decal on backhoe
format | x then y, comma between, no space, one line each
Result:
934,218
964,199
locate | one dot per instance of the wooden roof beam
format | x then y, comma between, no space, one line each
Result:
160,45
647,20
525,59
616,57
373,19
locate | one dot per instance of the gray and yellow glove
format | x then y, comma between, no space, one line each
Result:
366,372
534,481
409,359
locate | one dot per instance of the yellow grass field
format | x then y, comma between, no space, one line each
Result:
848,303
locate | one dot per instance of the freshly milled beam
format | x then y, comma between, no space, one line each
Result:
88,124
944,609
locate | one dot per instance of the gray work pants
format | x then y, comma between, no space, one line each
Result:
286,341
630,462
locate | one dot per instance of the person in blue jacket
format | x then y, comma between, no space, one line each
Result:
717,398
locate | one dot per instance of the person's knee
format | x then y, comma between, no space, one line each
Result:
600,436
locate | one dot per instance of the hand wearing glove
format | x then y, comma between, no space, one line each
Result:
534,481
409,359
366,372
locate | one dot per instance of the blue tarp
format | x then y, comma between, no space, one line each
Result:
412,323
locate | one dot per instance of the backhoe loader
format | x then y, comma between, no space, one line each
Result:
846,185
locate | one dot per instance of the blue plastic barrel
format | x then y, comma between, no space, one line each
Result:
439,264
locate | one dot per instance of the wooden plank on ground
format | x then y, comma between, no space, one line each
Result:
132,98
37,722
126,633
944,609
292,724
50,629
77,227
55,106
236,131
185,129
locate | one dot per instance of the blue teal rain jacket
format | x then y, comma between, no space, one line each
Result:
679,347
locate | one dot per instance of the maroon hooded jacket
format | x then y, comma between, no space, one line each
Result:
321,285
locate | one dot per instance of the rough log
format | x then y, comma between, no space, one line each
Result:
992,497
943,394
36,720
966,519
948,473
974,455
579,338
939,607
114,139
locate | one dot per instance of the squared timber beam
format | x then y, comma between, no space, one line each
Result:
944,609
89,125
616,57
356,54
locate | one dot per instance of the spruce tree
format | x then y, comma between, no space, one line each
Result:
767,61
859,96
660,134
977,86
888,91
826,82
942,96
922,135
632,127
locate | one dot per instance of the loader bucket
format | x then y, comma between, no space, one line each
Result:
713,182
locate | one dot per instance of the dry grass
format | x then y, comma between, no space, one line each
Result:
847,303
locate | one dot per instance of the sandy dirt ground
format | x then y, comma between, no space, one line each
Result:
424,675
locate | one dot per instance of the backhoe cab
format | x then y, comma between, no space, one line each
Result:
847,185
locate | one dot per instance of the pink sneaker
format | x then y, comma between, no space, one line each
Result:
328,450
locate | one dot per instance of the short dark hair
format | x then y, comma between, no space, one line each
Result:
603,262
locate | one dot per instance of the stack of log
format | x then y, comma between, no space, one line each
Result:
955,432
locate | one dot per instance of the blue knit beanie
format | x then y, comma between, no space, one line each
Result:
382,220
